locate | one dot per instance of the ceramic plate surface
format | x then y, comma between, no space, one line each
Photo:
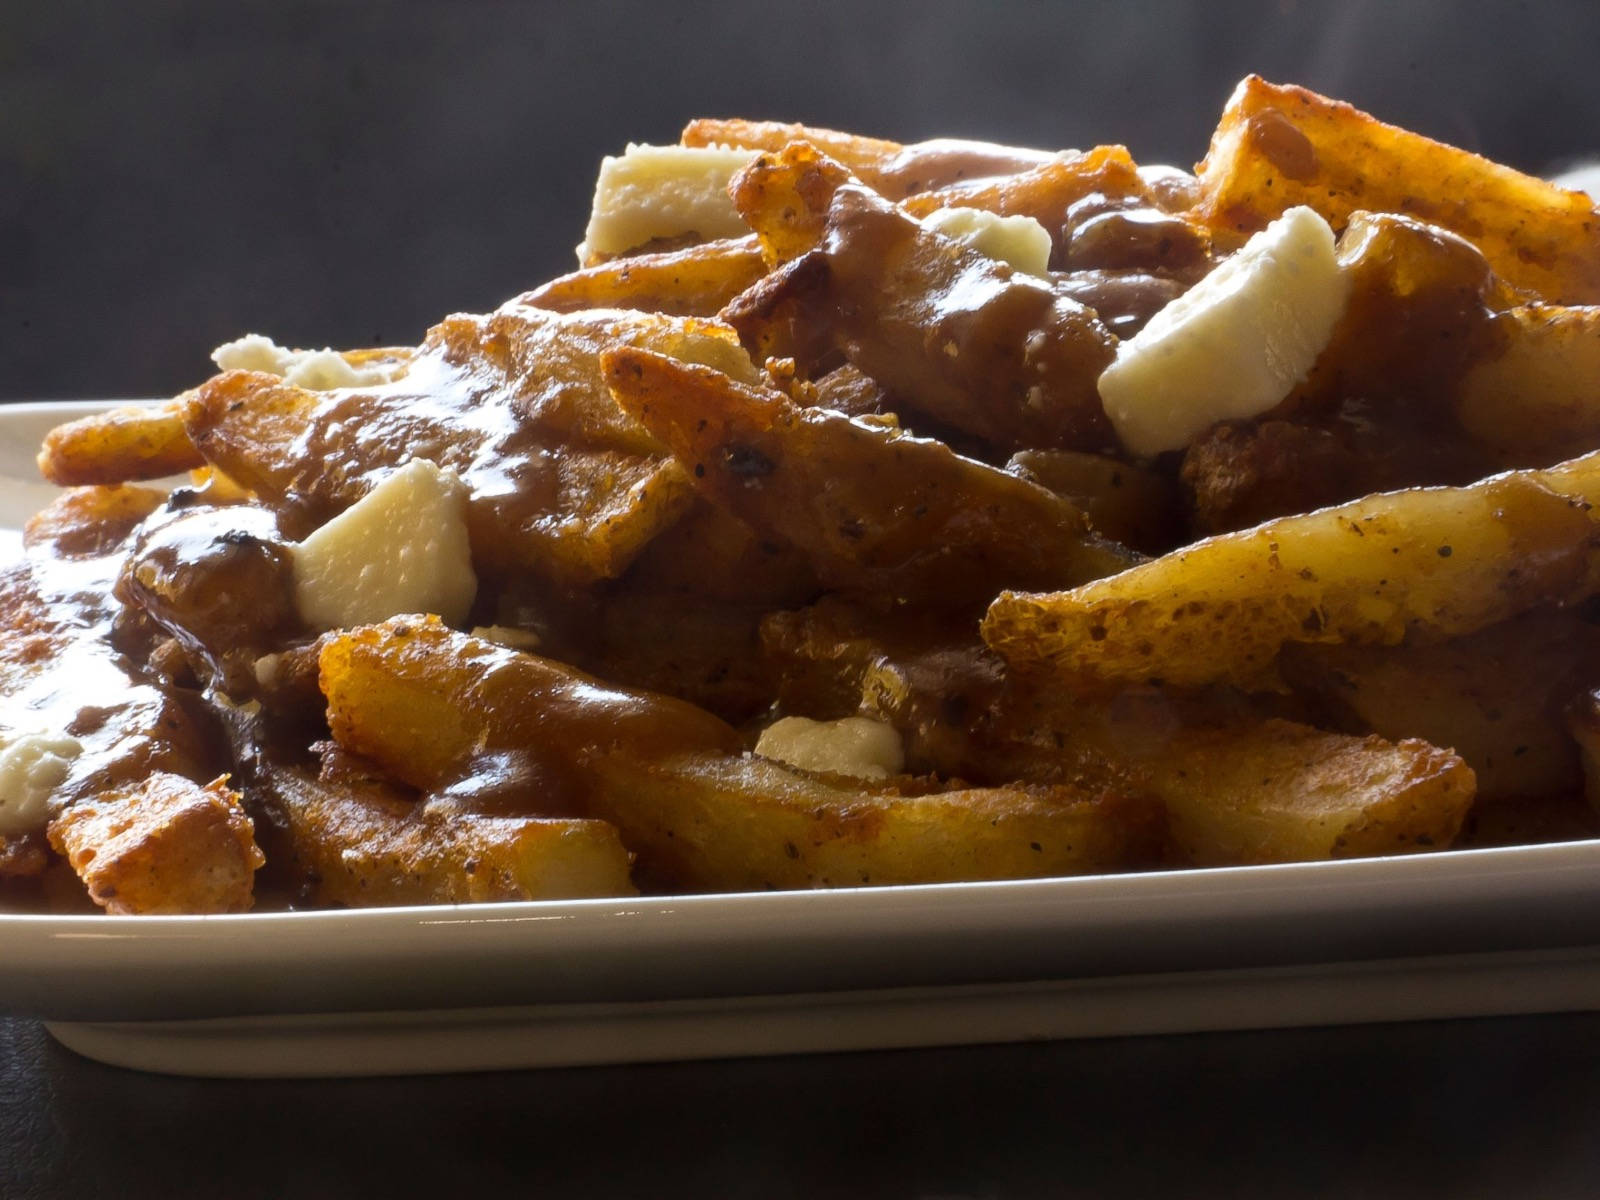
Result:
1451,934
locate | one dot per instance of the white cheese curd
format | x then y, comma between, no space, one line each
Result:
1233,345
402,548
1020,242
32,765
315,370
856,746
652,192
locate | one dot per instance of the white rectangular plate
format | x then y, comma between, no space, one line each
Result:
1450,934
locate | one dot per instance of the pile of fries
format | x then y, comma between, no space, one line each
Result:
810,557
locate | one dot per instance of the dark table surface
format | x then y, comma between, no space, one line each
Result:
1492,1108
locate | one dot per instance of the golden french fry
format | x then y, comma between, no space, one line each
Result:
1288,793
1234,788
1495,697
167,845
785,196
870,507
122,444
748,824
1277,147
1433,562
494,397
90,521
1009,359
1044,192
1540,396
363,843
695,281
854,151
894,169
431,707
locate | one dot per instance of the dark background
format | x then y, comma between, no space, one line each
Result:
174,173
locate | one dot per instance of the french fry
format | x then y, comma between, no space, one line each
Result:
492,397
167,845
122,444
1539,398
695,281
1277,147
785,196
859,154
1128,504
90,521
1496,697
429,706
749,824
1234,788
894,169
1434,563
1044,192
1289,793
870,507
364,843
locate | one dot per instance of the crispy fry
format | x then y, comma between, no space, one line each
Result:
434,707
1292,794
90,521
855,152
491,397
137,442
363,842
1432,563
1497,697
891,168
1277,147
430,706
748,824
872,508
1234,787
167,845
1044,192
1539,399
695,281
784,197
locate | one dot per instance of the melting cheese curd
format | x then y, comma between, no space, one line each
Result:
1020,242
401,548
856,746
651,192
1233,345
32,765
315,370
